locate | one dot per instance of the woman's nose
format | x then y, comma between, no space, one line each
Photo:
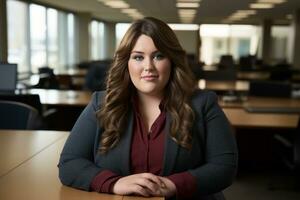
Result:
148,65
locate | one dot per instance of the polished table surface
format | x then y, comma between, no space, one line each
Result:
263,112
61,97
36,177
240,86
23,145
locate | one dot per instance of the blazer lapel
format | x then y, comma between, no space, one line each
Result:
125,145
171,150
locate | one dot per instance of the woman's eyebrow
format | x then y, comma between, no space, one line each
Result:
137,52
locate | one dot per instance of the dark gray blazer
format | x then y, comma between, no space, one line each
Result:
212,159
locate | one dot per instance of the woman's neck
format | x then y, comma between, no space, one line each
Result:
149,108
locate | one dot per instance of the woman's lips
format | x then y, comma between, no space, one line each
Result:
149,77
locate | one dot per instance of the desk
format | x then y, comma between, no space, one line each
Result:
61,97
240,86
253,75
238,115
23,145
37,177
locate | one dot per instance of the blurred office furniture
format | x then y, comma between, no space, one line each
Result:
47,79
270,89
15,115
197,69
88,64
226,61
29,99
67,104
96,77
286,148
247,63
281,72
8,78
220,75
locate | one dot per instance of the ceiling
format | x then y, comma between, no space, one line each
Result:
210,11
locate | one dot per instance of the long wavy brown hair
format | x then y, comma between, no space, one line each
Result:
115,108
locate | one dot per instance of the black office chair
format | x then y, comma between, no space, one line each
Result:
247,63
29,99
15,115
226,61
95,77
220,75
287,154
270,89
47,79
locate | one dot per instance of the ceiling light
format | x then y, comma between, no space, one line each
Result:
129,10
189,0
248,12
186,27
261,5
136,15
271,1
187,5
187,11
116,4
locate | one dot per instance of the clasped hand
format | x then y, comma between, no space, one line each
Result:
145,184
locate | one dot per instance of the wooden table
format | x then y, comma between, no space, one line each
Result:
274,112
239,86
61,97
23,145
36,178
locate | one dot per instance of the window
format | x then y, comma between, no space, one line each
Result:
280,42
97,40
121,29
237,40
18,30
71,40
39,36
52,38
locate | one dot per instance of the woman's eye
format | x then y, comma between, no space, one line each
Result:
159,56
137,57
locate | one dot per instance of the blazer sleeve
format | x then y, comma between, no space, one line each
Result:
76,165
221,157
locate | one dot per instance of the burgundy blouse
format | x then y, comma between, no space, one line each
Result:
147,156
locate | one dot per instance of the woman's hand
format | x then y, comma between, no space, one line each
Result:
144,184
168,188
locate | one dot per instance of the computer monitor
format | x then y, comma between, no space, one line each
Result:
8,77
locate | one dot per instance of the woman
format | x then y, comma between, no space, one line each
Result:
151,133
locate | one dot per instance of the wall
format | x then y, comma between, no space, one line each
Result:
188,40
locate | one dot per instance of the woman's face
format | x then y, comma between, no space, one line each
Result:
148,68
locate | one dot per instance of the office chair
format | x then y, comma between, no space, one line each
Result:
281,72
287,154
270,89
47,79
247,63
226,61
95,77
15,115
29,99
220,75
